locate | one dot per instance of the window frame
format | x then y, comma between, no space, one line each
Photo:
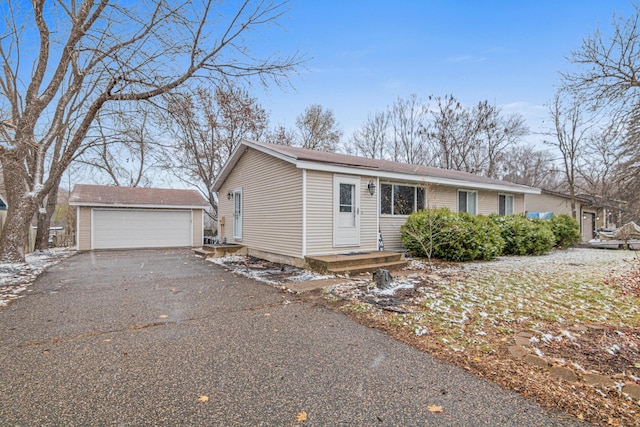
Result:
506,197
475,208
415,206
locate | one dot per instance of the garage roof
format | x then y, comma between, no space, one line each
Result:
103,195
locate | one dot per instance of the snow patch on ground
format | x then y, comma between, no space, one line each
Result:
392,290
266,272
16,277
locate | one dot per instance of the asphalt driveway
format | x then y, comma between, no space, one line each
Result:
138,337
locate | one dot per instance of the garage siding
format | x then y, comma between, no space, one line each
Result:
84,228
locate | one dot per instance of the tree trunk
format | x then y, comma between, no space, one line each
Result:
21,205
15,233
44,220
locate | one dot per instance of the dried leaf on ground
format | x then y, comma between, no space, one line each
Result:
302,416
203,398
435,409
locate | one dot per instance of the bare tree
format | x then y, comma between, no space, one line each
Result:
606,77
526,165
281,135
600,160
207,128
64,61
122,150
609,66
471,139
496,133
318,129
569,134
408,120
372,138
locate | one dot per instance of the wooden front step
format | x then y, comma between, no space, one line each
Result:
218,251
357,263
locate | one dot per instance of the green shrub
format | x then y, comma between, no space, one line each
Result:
566,230
525,236
443,234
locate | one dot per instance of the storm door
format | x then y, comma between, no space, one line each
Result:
346,207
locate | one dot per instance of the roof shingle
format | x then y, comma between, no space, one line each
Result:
91,195
303,154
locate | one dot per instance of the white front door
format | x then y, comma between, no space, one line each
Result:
346,211
237,214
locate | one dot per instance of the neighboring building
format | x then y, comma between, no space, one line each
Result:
285,203
591,215
131,217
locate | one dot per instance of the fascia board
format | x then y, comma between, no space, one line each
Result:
415,178
136,206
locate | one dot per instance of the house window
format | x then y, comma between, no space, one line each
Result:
400,199
505,204
468,201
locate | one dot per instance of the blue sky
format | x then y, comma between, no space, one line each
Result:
364,54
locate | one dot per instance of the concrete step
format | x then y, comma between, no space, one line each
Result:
368,268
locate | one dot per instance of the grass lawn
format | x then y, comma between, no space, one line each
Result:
577,309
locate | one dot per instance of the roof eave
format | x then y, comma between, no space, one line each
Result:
325,167
136,205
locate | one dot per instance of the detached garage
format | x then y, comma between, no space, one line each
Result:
126,217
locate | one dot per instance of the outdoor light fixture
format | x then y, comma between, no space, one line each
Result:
372,187
229,195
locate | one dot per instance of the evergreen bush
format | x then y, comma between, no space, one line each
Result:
566,230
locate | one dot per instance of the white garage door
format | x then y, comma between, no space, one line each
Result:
129,228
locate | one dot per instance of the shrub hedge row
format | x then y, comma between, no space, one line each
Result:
440,233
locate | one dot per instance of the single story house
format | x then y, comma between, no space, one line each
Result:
286,203
131,217
590,215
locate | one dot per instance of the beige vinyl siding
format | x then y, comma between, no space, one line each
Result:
196,221
320,215
84,228
518,203
390,230
368,216
319,212
444,196
440,196
272,198
549,203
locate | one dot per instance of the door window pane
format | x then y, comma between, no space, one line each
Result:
346,197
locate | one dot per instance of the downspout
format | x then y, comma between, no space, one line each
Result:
304,213
378,231
581,224
77,228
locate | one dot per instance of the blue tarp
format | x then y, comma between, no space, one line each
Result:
541,215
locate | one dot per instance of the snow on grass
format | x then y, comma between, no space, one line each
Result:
16,277
461,302
309,275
